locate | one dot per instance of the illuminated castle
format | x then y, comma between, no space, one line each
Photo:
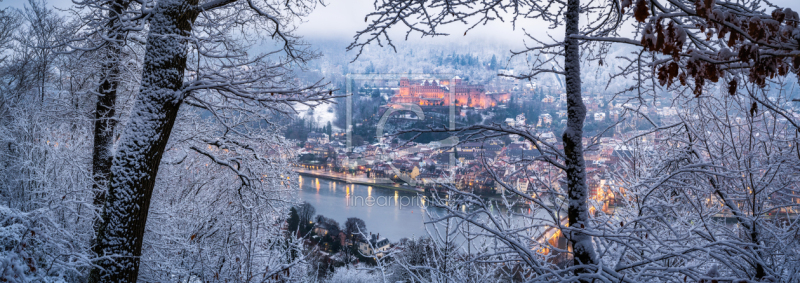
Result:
433,93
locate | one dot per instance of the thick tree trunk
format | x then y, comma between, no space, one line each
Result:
578,211
105,108
104,125
135,164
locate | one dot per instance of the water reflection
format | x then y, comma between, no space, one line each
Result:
393,214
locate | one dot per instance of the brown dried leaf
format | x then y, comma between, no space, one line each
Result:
698,86
754,27
673,69
732,39
660,41
796,62
732,85
778,15
662,75
711,72
641,12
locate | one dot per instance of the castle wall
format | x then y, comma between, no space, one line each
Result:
431,93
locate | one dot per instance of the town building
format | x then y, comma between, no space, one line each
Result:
381,245
545,120
319,138
599,116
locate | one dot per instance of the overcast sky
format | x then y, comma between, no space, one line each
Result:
340,19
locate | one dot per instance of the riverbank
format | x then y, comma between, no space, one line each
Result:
360,180
341,177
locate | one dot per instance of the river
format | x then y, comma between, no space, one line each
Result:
391,213
394,214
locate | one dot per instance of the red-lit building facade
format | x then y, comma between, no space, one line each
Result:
436,93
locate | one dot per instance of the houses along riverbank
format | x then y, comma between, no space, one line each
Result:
354,179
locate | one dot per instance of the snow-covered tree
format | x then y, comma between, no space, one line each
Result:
425,18
194,59
455,250
45,194
226,225
108,27
353,274
676,43
722,163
